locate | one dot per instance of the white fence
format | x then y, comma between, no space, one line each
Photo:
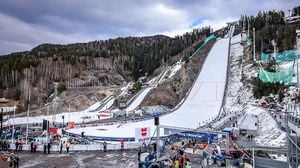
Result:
89,147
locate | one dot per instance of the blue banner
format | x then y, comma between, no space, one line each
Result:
202,136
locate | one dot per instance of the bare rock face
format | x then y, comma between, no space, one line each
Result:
161,96
174,89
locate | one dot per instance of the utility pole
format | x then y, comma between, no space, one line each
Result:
68,120
47,136
274,54
1,119
254,44
13,130
298,53
54,101
288,136
28,105
248,28
253,156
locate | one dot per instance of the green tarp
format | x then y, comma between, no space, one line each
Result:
284,76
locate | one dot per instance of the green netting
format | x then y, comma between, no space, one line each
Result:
284,76
248,40
204,43
287,55
209,38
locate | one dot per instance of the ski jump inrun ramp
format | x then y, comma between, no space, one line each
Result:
203,102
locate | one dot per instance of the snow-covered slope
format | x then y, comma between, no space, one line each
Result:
202,103
138,100
268,132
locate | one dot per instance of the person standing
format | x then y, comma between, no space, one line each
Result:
31,146
16,161
17,145
139,155
122,144
60,144
49,146
180,160
34,146
45,148
21,145
176,163
68,146
104,146
188,164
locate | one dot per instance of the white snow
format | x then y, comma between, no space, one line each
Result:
239,98
138,100
279,157
175,68
78,117
108,104
94,106
268,132
152,81
162,75
253,110
124,89
248,122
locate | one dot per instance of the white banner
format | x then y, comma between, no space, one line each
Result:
142,133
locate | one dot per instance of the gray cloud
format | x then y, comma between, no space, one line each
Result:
25,24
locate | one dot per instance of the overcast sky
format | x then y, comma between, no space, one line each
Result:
27,23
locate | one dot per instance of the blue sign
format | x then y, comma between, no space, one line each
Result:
202,136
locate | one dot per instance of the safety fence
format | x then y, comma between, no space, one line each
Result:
80,147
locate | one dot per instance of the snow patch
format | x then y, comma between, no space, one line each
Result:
268,132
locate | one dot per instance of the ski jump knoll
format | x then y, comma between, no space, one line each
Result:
203,102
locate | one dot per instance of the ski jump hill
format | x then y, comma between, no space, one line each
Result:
202,103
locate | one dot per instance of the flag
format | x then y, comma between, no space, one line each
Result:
142,133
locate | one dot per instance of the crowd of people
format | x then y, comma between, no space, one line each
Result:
177,159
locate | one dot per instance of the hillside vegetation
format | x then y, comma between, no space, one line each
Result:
108,62
271,26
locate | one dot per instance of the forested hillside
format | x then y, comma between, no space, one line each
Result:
271,26
130,57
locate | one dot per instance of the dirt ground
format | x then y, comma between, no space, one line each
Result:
85,159
93,159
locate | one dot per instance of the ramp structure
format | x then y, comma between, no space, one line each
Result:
202,103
